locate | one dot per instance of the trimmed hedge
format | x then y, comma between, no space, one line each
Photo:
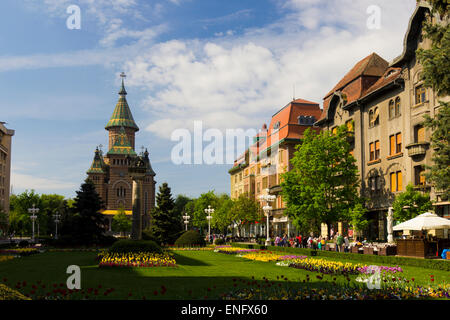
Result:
124,246
190,238
392,260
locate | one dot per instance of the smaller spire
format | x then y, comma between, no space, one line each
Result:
122,91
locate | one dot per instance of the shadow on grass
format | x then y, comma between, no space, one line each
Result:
187,261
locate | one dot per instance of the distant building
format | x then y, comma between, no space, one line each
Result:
5,166
383,105
110,172
261,166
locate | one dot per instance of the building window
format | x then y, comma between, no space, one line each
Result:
419,176
374,117
374,150
419,134
264,183
375,183
391,109
306,120
395,143
276,125
121,192
396,181
350,126
397,107
334,130
420,94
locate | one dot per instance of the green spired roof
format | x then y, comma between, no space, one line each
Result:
122,145
122,116
97,164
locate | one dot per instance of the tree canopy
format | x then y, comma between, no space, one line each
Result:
323,184
410,203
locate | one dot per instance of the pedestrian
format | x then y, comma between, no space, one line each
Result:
339,241
347,244
277,241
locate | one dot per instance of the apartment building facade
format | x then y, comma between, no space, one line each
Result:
5,166
384,104
258,170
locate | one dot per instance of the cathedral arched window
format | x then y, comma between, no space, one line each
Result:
121,192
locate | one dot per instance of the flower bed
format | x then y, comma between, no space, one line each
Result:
6,258
233,250
269,256
20,252
324,291
138,260
7,293
189,248
325,266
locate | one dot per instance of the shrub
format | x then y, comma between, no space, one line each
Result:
147,235
24,243
190,238
219,241
135,246
7,293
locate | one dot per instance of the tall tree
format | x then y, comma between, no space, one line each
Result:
198,216
86,224
165,224
323,184
19,218
436,75
244,209
410,203
358,218
222,214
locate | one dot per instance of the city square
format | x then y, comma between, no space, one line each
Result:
161,190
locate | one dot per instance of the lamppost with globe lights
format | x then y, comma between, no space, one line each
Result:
209,211
56,216
33,217
186,220
267,208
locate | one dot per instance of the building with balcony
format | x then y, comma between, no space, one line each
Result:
260,167
386,103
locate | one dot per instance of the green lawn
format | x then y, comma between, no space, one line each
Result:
197,272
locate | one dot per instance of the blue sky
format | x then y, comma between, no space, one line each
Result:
231,64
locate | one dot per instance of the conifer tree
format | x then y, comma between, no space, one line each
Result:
86,224
165,224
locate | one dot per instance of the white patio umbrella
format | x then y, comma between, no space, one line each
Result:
425,221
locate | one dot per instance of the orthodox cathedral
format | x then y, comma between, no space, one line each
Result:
110,172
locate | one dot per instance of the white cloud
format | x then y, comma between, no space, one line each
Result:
232,82
238,80
21,181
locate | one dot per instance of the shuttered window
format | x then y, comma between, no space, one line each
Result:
392,145
399,143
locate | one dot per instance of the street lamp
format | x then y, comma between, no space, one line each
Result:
33,216
209,211
186,220
267,208
56,216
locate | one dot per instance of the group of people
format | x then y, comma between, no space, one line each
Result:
342,244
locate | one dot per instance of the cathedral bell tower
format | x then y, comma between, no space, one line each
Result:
121,118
